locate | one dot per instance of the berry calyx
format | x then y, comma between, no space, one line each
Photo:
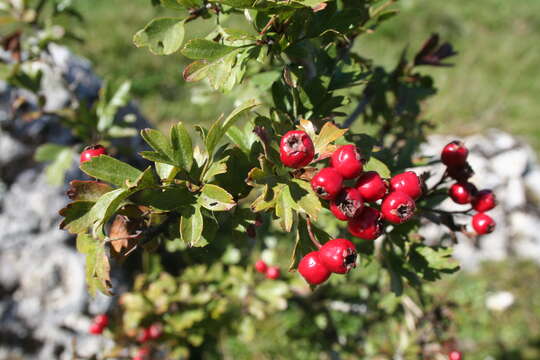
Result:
261,266
347,204
296,149
484,201
327,183
338,255
407,182
347,161
155,331
483,223
454,154
455,355
95,329
91,152
273,272
371,186
368,225
397,207
101,320
312,269
462,192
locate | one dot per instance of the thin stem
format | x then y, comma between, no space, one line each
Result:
441,181
311,235
268,25
444,211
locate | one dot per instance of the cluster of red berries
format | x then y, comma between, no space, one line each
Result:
347,203
90,152
152,332
99,323
336,256
454,156
271,272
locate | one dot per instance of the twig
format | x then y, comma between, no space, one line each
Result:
311,235
444,211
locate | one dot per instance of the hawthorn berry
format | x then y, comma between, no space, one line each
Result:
92,151
347,204
397,207
143,335
296,149
484,201
462,192
95,329
407,182
327,183
455,355
347,161
454,154
102,320
460,173
261,266
338,255
273,272
483,223
312,269
368,225
371,186
155,331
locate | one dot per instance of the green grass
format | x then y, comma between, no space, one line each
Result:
494,82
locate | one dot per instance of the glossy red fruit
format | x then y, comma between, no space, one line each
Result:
347,161
454,154
371,186
407,182
296,149
397,207
143,353
95,329
261,266
155,331
347,204
102,320
312,269
91,152
460,173
483,223
484,201
327,183
143,335
273,272
338,255
462,192
368,225
455,355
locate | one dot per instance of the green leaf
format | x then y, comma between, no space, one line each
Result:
167,199
328,134
216,168
306,199
56,171
191,227
162,36
77,217
215,198
111,170
165,171
284,207
107,108
97,264
157,157
377,165
182,147
201,49
158,142
80,190
184,320
48,152
107,205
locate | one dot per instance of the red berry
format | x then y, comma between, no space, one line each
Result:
407,182
143,352
483,223
138,357
397,207
155,331
312,269
455,355
338,255
347,204
371,186
484,201
143,336
273,272
347,161
460,173
261,266
368,225
296,149
462,192
91,152
95,329
327,183
102,320
454,154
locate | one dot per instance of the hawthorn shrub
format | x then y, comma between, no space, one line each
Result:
223,216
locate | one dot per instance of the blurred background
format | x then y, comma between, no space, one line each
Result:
493,84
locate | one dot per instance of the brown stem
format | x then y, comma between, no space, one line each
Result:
311,235
441,180
445,212
268,25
